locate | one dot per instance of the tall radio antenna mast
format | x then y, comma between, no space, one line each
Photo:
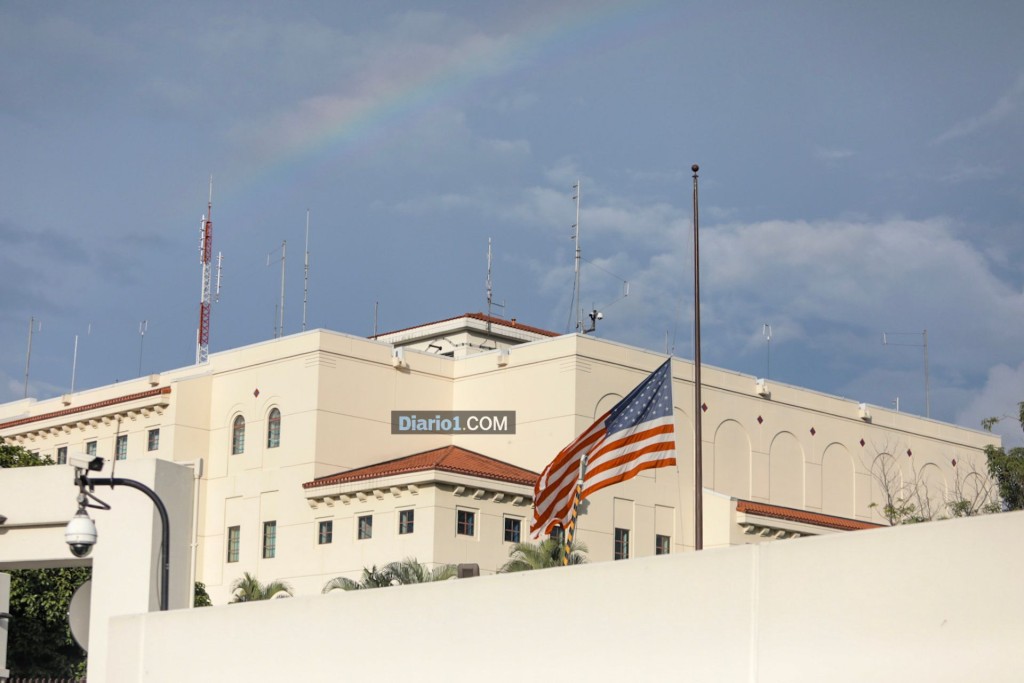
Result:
279,308
577,190
489,291
205,254
305,284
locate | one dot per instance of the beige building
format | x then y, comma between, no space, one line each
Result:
302,478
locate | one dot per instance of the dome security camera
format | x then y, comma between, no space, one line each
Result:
80,534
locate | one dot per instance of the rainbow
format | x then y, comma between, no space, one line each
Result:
326,126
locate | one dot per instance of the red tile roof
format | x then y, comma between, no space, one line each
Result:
88,406
803,516
483,317
447,459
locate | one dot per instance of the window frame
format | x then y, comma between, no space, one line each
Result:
662,544
153,440
465,522
91,447
238,435
517,530
62,455
274,428
269,546
620,548
364,527
325,532
234,543
121,447
406,526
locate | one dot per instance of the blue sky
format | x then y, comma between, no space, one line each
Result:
859,174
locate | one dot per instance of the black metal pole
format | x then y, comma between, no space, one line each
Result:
165,541
698,464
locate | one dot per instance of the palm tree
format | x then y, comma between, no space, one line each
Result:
525,556
371,578
249,588
400,573
410,570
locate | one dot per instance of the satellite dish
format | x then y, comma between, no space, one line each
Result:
78,614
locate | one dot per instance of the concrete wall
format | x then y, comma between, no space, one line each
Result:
39,501
935,602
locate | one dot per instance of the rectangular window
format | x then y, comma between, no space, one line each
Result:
513,528
326,534
406,521
153,440
662,544
90,448
269,540
622,544
365,527
465,524
274,429
234,535
121,447
62,455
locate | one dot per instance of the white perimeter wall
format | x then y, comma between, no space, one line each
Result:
936,602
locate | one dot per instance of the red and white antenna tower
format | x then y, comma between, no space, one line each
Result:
205,256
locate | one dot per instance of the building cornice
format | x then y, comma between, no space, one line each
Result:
141,401
763,516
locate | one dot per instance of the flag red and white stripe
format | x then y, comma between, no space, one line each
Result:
635,435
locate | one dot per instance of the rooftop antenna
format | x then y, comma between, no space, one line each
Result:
924,345
766,332
143,326
305,277
279,323
490,291
595,315
376,305
74,358
32,326
205,253
220,265
577,299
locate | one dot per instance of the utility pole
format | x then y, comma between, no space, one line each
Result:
698,412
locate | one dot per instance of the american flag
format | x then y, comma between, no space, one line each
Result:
636,434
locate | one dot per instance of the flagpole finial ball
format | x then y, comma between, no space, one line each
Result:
695,168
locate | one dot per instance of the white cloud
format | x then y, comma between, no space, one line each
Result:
1008,103
828,288
962,173
506,147
1000,396
421,58
444,202
832,154
515,103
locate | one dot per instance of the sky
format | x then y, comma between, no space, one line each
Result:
860,176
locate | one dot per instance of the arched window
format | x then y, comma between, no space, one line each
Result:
238,435
274,428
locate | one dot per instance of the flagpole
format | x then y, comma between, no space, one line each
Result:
570,532
698,464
